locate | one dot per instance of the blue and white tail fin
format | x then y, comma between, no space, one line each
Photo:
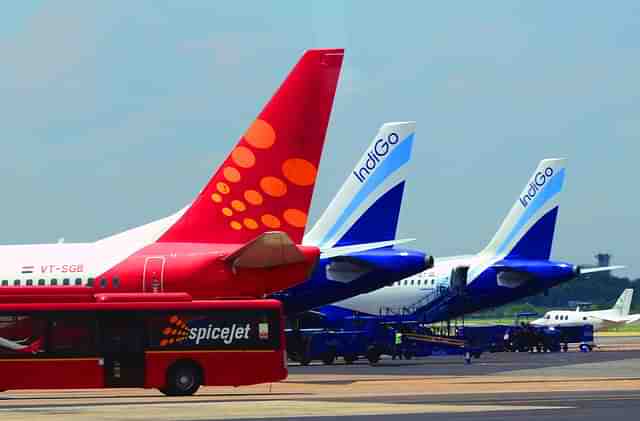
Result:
367,207
623,304
527,232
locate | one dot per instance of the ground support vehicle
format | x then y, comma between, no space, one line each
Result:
175,345
371,337
527,338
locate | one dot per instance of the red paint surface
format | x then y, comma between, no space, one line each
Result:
46,373
299,114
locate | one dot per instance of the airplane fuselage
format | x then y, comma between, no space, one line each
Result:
75,272
600,320
486,286
336,279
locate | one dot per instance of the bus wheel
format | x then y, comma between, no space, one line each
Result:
183,379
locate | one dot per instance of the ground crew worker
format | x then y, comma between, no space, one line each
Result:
397,351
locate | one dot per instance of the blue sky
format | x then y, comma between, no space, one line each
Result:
116,113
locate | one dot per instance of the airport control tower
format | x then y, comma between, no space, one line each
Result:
604,259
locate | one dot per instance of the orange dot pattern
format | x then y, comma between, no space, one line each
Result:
250,223
260,135
243,157
270,221
299,171
238,205
273,186
253,197
223,188
294,172
295,218
176,332
231,174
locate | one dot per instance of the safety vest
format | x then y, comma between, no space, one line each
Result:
398,338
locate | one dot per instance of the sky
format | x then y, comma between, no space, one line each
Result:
117,113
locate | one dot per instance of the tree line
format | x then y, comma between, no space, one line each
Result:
600,289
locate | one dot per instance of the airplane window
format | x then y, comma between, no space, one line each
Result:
116,282
29,282
41,282
556,317
16,283
412,282
584,318
65,281
5,282
90,282
103,283
78,281
54,282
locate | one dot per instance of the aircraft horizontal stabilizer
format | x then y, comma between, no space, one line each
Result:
270,249
344,250
585,271
633,319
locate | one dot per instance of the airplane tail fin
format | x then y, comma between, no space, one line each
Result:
367,206
527,231
623,304
267,181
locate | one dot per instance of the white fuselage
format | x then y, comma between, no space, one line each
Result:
600,320
40,264
404,294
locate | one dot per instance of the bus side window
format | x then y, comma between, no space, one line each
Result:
73,336
25,335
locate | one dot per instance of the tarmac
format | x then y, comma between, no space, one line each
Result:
555,386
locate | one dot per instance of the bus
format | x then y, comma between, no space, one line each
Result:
174,346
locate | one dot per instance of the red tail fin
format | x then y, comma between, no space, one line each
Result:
267,181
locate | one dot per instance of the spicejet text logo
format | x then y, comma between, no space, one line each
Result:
180,331
537,183
380,149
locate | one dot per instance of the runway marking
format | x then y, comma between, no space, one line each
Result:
253,410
